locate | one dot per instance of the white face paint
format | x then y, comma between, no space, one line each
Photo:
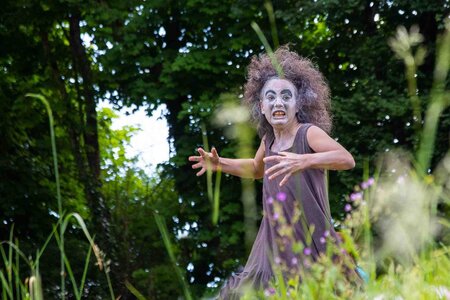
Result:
279,103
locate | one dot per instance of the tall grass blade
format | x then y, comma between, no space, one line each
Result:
35,286
402,45
134,291
17,272
41,251
212,191
58,189
86,265
103,265
70,272
10,256
209,172
163,230
281,284
273,25
248,198
24,257
440,100
216,202
269,50
5,287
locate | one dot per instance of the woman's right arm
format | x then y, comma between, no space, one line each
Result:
241,167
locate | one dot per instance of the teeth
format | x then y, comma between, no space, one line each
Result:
278,113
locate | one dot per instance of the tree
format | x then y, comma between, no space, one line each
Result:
133,197
184,54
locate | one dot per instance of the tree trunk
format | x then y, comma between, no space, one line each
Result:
91,179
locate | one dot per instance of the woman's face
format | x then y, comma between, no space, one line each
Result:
279,103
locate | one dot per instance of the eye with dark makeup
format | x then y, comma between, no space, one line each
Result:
286,95
270,96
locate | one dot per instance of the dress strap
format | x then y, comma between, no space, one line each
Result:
267,143
302,141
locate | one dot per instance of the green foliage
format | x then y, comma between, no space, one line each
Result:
186,55
401,260
133,198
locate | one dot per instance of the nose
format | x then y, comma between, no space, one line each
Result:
278,102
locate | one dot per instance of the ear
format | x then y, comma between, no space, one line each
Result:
261,107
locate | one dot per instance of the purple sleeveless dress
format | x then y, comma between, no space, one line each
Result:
304,191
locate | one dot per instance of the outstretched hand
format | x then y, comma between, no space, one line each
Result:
288,163
206,160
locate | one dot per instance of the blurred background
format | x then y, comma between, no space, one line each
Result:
100,62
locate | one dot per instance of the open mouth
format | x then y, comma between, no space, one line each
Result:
279,114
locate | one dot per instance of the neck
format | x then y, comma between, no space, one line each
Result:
285,134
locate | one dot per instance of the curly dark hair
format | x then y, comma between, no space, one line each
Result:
313,92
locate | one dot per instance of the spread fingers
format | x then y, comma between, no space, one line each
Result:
196,166
200,173
273,169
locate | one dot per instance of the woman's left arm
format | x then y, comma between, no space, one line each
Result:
329,154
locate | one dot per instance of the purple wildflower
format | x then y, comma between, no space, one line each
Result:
322,240
269,292
326,233
276,216
270,200
307,251
348,207
281,196
277,260
294,261
368,183
356,196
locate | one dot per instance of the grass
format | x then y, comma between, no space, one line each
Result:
389,229
31,288
392,222
392,219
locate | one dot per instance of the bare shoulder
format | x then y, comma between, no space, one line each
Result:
320,141
315,132
262,147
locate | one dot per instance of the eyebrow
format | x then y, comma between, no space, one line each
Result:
285,91
269,91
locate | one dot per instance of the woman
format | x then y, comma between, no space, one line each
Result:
291,110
